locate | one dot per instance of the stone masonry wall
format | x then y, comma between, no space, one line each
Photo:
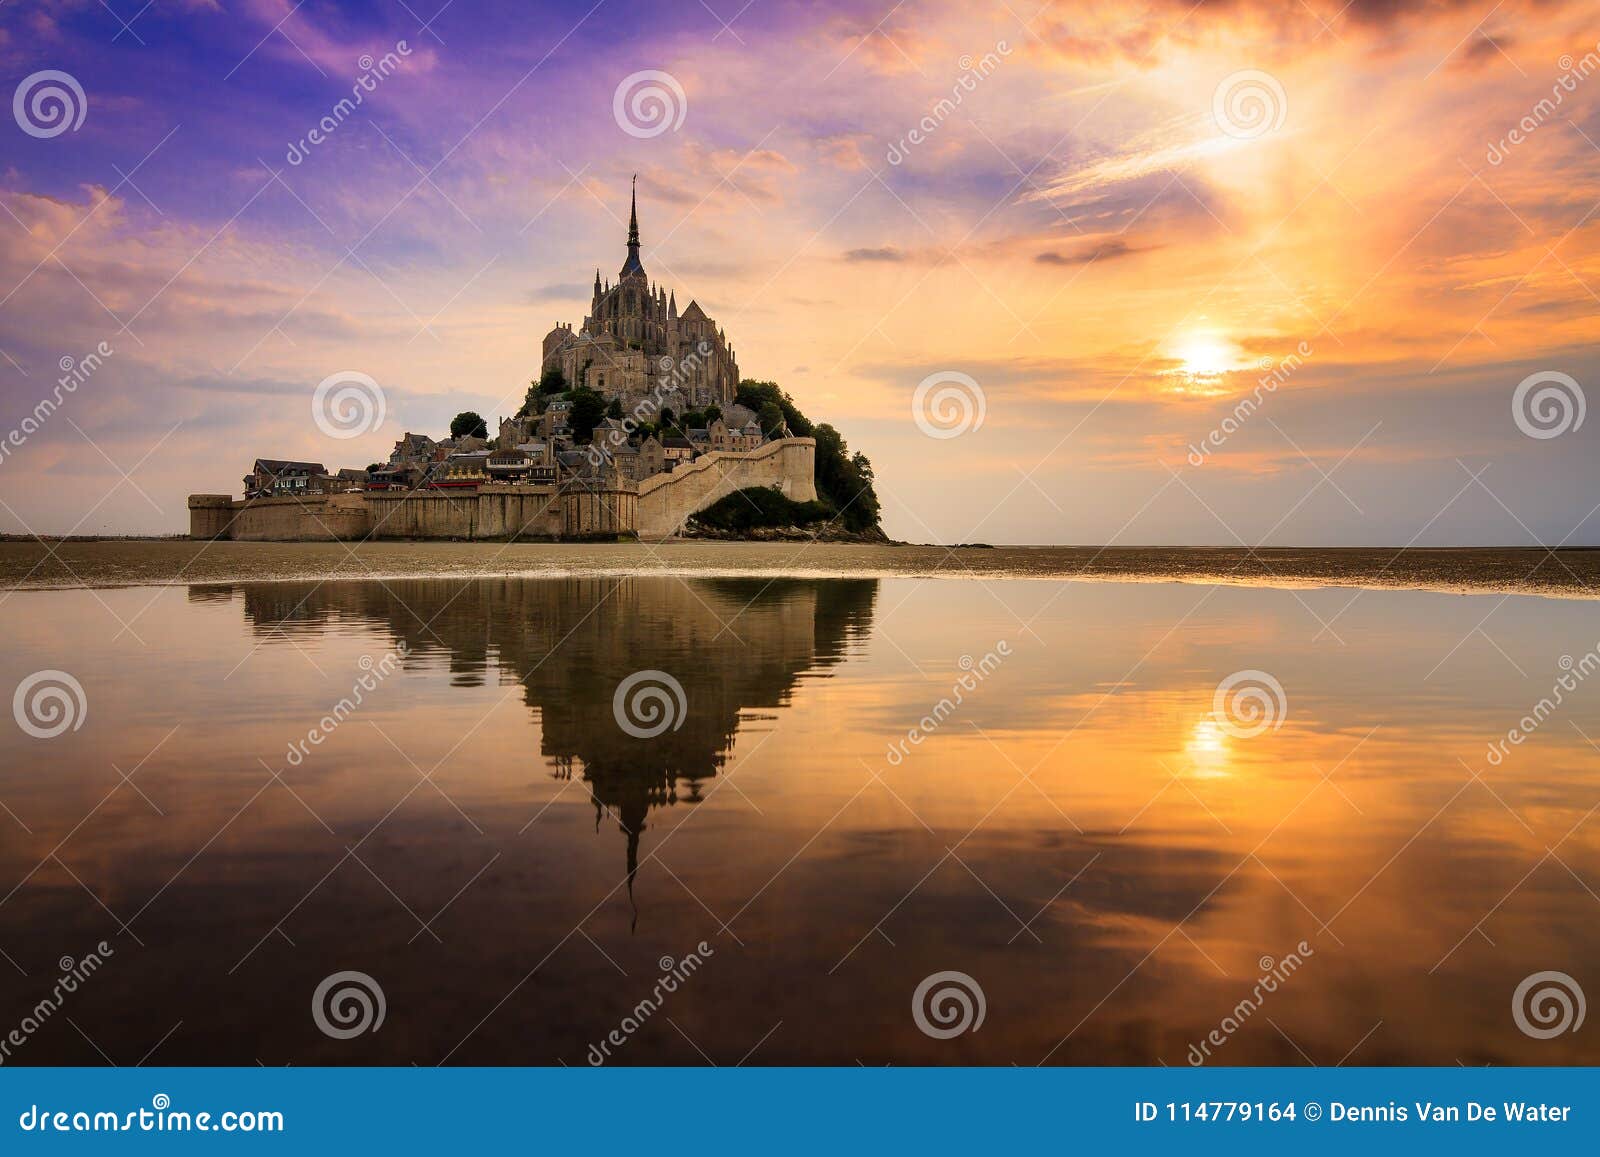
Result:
659,508
667,500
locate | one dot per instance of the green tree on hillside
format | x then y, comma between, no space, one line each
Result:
771,419
588,407
552,381
753,395
758,506
468,424
844,480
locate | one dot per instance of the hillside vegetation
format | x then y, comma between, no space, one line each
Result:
759,507
844,480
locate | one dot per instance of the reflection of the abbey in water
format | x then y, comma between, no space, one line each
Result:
735,646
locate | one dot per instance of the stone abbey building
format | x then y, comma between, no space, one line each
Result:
536,481
635,344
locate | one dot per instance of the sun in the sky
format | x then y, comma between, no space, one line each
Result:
1201,358
1205,355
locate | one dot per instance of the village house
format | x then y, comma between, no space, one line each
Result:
394,477
676,450
725,437
273,477
461,471
412,450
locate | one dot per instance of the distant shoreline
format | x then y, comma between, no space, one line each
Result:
490,544
1571,573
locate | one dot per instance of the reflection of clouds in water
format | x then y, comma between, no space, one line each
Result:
794,692
1117,658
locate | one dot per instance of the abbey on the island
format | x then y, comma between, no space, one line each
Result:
635,344
665,439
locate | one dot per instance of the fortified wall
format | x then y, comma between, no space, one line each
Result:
667,500
656,508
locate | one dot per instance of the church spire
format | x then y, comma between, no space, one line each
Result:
633,265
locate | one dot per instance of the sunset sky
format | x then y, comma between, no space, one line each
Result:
1110,248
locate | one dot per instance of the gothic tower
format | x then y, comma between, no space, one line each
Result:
633,267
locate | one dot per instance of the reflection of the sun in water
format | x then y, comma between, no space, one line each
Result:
1208,749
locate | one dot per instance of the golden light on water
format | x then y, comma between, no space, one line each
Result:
1207,748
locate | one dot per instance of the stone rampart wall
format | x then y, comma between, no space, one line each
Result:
659,507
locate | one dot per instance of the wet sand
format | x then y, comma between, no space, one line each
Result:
115,563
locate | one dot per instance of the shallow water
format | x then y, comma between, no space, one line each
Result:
1111,858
